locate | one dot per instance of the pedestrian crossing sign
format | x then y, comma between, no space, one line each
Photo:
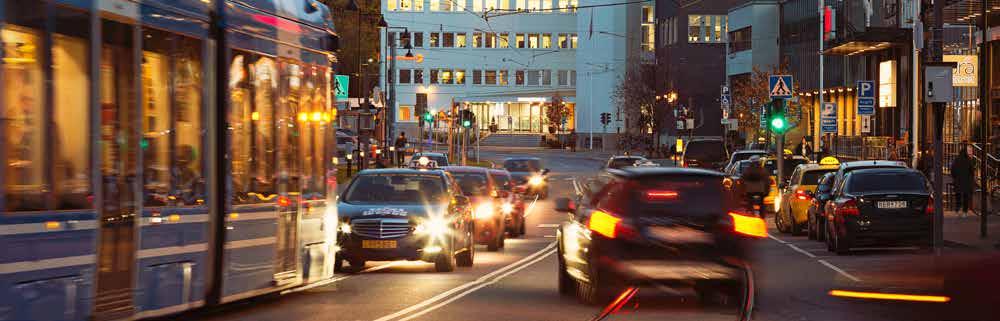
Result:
780,86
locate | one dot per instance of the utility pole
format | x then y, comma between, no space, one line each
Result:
822,30
918,43
936,56
984,104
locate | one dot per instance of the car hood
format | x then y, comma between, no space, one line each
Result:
353,211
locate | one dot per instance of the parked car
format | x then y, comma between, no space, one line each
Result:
816,217
795,199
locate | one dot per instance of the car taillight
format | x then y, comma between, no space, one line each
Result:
802,195
773,182
849,207
929,209
609,225
661,195
748,225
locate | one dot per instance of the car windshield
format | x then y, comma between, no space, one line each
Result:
812,177
624,162
502,180
522,165
395,189
472,184
739,156
889,181
707,151
772,166
440,159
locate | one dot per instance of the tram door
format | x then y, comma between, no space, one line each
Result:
119,133
291,119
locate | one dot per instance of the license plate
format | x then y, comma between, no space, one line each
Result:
378,244
890,204
680,234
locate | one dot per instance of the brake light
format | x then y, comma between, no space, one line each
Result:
284,201
929,209
773,182
661,195
802,195
609,225
849,207
748,225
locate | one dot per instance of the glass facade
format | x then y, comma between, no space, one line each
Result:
517,117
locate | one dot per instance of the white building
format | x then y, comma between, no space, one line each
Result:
753,35
505,67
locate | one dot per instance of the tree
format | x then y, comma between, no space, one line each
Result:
556,111
750,93
635,94
346,22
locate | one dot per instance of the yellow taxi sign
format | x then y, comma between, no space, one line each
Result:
829,160
679,145
788,151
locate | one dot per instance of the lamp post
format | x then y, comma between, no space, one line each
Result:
390,75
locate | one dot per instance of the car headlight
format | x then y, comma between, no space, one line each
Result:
483,211
507,208
345,228
433,226
536,180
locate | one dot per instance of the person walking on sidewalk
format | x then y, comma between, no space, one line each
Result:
962,178
400,145
572,140
926,163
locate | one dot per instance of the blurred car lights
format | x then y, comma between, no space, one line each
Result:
484,211
433,227
749,225
345,228
507,208
890,296
536,180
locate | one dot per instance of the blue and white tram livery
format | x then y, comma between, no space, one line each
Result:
163,155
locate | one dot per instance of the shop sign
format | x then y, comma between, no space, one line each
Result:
966,73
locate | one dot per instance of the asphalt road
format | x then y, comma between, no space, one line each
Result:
794,276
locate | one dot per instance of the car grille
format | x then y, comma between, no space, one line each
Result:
386,228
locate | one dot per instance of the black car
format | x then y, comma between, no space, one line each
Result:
742,155
404,214
880,207
440,158
529,175
654,226
817,221
617,162
705,153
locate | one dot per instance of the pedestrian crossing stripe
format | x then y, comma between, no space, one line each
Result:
780,86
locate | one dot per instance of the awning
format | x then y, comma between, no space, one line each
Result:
874,39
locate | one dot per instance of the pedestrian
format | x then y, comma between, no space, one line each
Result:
926,163
400,145
572,140
804,148
756,184
962,179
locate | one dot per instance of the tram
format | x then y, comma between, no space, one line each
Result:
163,155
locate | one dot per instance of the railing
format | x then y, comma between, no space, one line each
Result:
871,147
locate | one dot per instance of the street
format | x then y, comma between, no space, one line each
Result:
794,276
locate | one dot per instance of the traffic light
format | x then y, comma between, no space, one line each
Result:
466,117
428,117
466,123
776,117
605,118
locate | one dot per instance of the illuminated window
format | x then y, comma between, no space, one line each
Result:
534,5
404,113
533,40
502,77
418,5
546,40
460,40
477,5
435,40
519,39
519,78
519,5
572,43
459,76
418,76
391,5
887,83
563,40
435,74
707,28
477,40
503,40
504,4
648,29
491,77
405,5
547,5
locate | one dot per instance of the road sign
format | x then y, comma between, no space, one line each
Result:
725,90
866,97
725,100
866,123
341,82
828,118
763,116
780,86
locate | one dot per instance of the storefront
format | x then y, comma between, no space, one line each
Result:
526,115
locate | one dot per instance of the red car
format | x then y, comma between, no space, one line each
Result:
484,196
511,204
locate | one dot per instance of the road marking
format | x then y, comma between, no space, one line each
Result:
336,279
842,272
800,250
548,225
545,251
527,212
776,239
480,286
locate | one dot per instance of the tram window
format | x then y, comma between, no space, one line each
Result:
291,118
172,126
71,112
24,114
252,119
241,119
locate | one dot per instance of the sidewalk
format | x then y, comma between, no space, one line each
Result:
964,232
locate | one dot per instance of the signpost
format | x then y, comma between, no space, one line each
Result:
341,83
828,118
866,97
780,88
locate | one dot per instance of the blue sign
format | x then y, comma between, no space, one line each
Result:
866,97
763,120
340,85
828,118
780,86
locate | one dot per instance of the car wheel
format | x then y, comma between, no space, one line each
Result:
820,229
356,265
595,292
445,261
338,264
724,293
780,223
829,237
811,228
503,239
566,285
467,257
794,226
493,245
839,245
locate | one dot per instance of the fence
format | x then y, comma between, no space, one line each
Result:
870,147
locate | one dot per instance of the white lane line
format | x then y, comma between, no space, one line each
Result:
842,272
800,250
480,286
548,225
340,278
527,211
776,239
547,250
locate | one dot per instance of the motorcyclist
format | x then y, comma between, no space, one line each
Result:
756,183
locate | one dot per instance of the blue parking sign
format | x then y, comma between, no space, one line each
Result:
866,97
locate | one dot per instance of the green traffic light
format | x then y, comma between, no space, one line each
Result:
428,117
466,123
778,123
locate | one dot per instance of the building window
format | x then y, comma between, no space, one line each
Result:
390,5
519,38
405,76
435,39
572,43
404,114
533,40
546,77
447,77
418,39
547,5
434,76
563,76
477,77
441,5
568,5
739,40
533,77
477,40
534,5
503,40
546,40
572,77
648,29
706,28
447,40
519,78
567,40
887,83
418,76
459,76
460,40
477,5
491,77
405,5
418,5
502,77
519,5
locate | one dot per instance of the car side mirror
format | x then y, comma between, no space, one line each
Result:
545,171
565,205
462,200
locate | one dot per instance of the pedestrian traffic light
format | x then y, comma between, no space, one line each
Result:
466,123
428,117
776,117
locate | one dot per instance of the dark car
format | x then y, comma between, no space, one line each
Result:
705,153
529,175
848,167
742,155
441,159
654,226
404,214
817,220
617,162
484,195
880,207
512,204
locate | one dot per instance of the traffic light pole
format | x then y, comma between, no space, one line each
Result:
780,137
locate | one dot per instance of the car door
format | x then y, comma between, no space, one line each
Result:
577,238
